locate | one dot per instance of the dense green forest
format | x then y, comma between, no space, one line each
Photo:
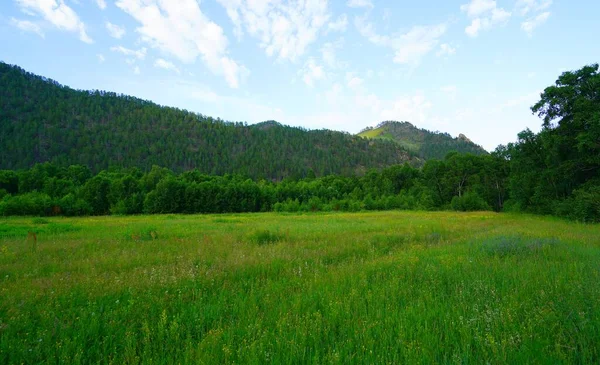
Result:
43,121
556,171
421,142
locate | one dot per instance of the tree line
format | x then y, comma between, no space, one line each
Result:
555,171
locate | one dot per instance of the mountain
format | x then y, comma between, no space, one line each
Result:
421,142
42,120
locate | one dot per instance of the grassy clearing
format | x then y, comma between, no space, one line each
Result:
386,287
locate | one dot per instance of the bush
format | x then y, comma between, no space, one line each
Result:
583,206
469,202
72,206
512,206
33,204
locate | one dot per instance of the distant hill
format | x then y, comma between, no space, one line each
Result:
41,120
425,144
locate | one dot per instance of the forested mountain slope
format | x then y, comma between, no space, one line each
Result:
41,120
424,143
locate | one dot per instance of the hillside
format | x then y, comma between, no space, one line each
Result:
423,143
41,120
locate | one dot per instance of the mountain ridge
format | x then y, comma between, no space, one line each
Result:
42,120
421,142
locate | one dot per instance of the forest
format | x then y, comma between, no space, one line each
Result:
43,121
555,171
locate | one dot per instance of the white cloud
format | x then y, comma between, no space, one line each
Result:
312,72
340,24
101,58
413,108
525,7
484,15
136,70
101,4
409,48
284,29
164,64
445,50
114,30
477,8
27,26
58,14
530,24
360,3
130,61
179,28
353,81
139,54
328,53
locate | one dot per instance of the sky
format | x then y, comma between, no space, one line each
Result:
468,66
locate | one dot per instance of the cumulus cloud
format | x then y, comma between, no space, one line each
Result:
100,57
181,29
284,29
410,47
353,81
445,50
312,72
530,24
139,54
58,14
537,12
340,24
164,64
27,26
484,15
115,31
525,7
360,3
101,4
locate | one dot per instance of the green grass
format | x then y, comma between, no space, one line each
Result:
385,287
372,133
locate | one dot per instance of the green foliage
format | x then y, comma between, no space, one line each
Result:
584,205
32,204
426,144
71,206
43,121
469,202
556,171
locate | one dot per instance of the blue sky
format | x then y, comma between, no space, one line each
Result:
467,66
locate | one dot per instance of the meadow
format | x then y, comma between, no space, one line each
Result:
376,287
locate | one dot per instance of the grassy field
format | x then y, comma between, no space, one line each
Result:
386,287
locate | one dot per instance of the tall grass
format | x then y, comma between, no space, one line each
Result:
386,287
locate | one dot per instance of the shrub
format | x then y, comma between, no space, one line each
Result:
583,206
469,202
35,204
73,206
